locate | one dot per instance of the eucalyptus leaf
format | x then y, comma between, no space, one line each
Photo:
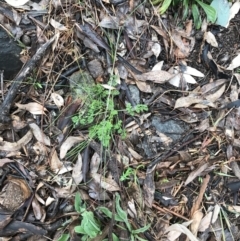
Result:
165,6
222,9
109,214
196,16
141,230
64,237
210,11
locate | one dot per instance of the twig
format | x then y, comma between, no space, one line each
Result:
26,70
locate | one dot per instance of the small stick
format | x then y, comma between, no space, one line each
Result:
26,70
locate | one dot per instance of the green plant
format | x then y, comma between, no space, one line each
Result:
189,6
100,112
34,82
121,216
89,227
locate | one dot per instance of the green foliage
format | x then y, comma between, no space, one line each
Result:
101,114
136,109
64,237
121,216
90,227
127,174
33,81
186,5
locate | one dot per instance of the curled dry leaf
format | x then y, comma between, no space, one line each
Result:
106,183
181,229
39,135
95,162
49,201
57,99
32,107
159,76
68,144
15,146
210,38
55,163
38,210
77,171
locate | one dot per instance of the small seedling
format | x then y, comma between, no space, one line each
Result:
100,112
90,227
121,216
189,6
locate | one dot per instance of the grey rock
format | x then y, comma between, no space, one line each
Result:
10,61
135,93
171,128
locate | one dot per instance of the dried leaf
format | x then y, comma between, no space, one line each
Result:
33,107
190,71
216,95
55,163
16,3
4,161
37,209
57,99
216,212
196,173
156,49
210,38
197,217
143,86
77,171
187,101
109,22
106,183
158,66
135,154
95,162
159,76
15,146
234,10
57,25
205,222
235,63
39,135
181,229
68,144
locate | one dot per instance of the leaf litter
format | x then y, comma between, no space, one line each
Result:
125,108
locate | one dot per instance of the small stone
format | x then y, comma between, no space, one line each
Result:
95,68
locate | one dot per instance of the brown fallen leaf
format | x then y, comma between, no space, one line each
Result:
68,144
39,135
187,101
32,107
196,173
15,146
205,222
55,163
106,183
158,76
77,172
